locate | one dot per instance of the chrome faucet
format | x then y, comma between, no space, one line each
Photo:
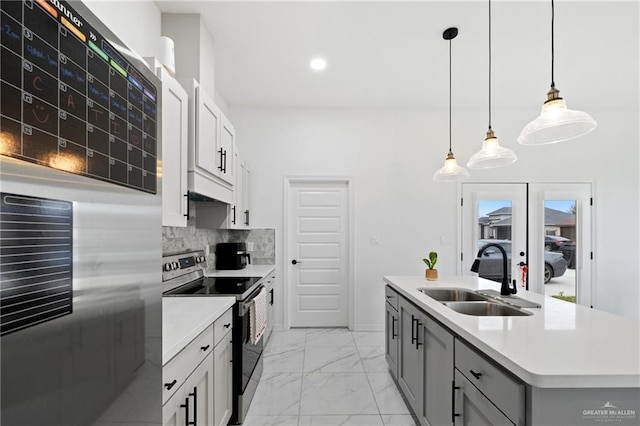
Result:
505,288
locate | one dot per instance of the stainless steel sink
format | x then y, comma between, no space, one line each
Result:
452,294
486,309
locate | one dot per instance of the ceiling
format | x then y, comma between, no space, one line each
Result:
392,54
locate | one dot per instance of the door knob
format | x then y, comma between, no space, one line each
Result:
294,262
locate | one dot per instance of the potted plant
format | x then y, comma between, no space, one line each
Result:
431,273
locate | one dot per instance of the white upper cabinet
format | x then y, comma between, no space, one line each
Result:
211,145
226,150
175,126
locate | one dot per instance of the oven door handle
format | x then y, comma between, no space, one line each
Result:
243,306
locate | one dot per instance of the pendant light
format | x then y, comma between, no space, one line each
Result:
556,122
451,171
492,154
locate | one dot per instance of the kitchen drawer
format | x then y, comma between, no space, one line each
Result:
504,390
222,326
176,371
391,296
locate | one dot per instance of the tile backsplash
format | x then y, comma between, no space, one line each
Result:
178,239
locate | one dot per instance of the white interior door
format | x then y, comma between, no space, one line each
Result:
318,252
494,212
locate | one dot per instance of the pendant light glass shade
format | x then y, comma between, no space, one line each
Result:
451,171
556,123
491,155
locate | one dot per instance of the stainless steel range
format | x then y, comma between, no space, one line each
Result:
183,276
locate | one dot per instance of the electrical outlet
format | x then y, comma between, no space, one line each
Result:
207,249
250,246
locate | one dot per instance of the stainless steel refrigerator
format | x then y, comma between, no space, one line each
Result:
80,231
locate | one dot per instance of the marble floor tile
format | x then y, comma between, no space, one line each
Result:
336,393
329,337
292,337
398,420
283,359
373,359
278,394
387,394
270,421
369,338
332,359
341,420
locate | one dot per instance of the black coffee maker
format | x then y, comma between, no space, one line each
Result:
232,256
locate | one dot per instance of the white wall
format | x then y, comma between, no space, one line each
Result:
135,22
392,154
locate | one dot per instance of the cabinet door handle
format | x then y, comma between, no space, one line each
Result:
454,388
413,321
168,386
476,375
204,348
220,167
271,292
388,297
186,410
418,324
393,327
194,394
246,212
227,325
233,208
187,214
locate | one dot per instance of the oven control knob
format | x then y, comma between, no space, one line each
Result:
174,265
167,267
200,259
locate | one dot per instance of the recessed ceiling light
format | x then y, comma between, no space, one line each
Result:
318,64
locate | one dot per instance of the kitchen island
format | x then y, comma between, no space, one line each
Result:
564,364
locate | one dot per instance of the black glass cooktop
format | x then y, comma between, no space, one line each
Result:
240,287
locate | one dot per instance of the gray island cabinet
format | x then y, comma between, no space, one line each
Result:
544,369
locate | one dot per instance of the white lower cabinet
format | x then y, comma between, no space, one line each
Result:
269,287
222,381
197,382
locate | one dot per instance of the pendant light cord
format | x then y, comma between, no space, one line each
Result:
449,96
553,82
489,64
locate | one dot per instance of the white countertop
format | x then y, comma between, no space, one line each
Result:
184,318
562,345
249,271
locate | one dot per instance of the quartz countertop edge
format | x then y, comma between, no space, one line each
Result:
562,345
184,318
250,271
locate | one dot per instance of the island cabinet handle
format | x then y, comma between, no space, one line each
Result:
476,375
418,324
389,296
454,388
413,336
227,325
393,327
204,348
170,385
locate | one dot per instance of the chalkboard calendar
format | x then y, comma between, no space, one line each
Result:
70,100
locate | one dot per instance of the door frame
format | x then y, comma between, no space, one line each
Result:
289,181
